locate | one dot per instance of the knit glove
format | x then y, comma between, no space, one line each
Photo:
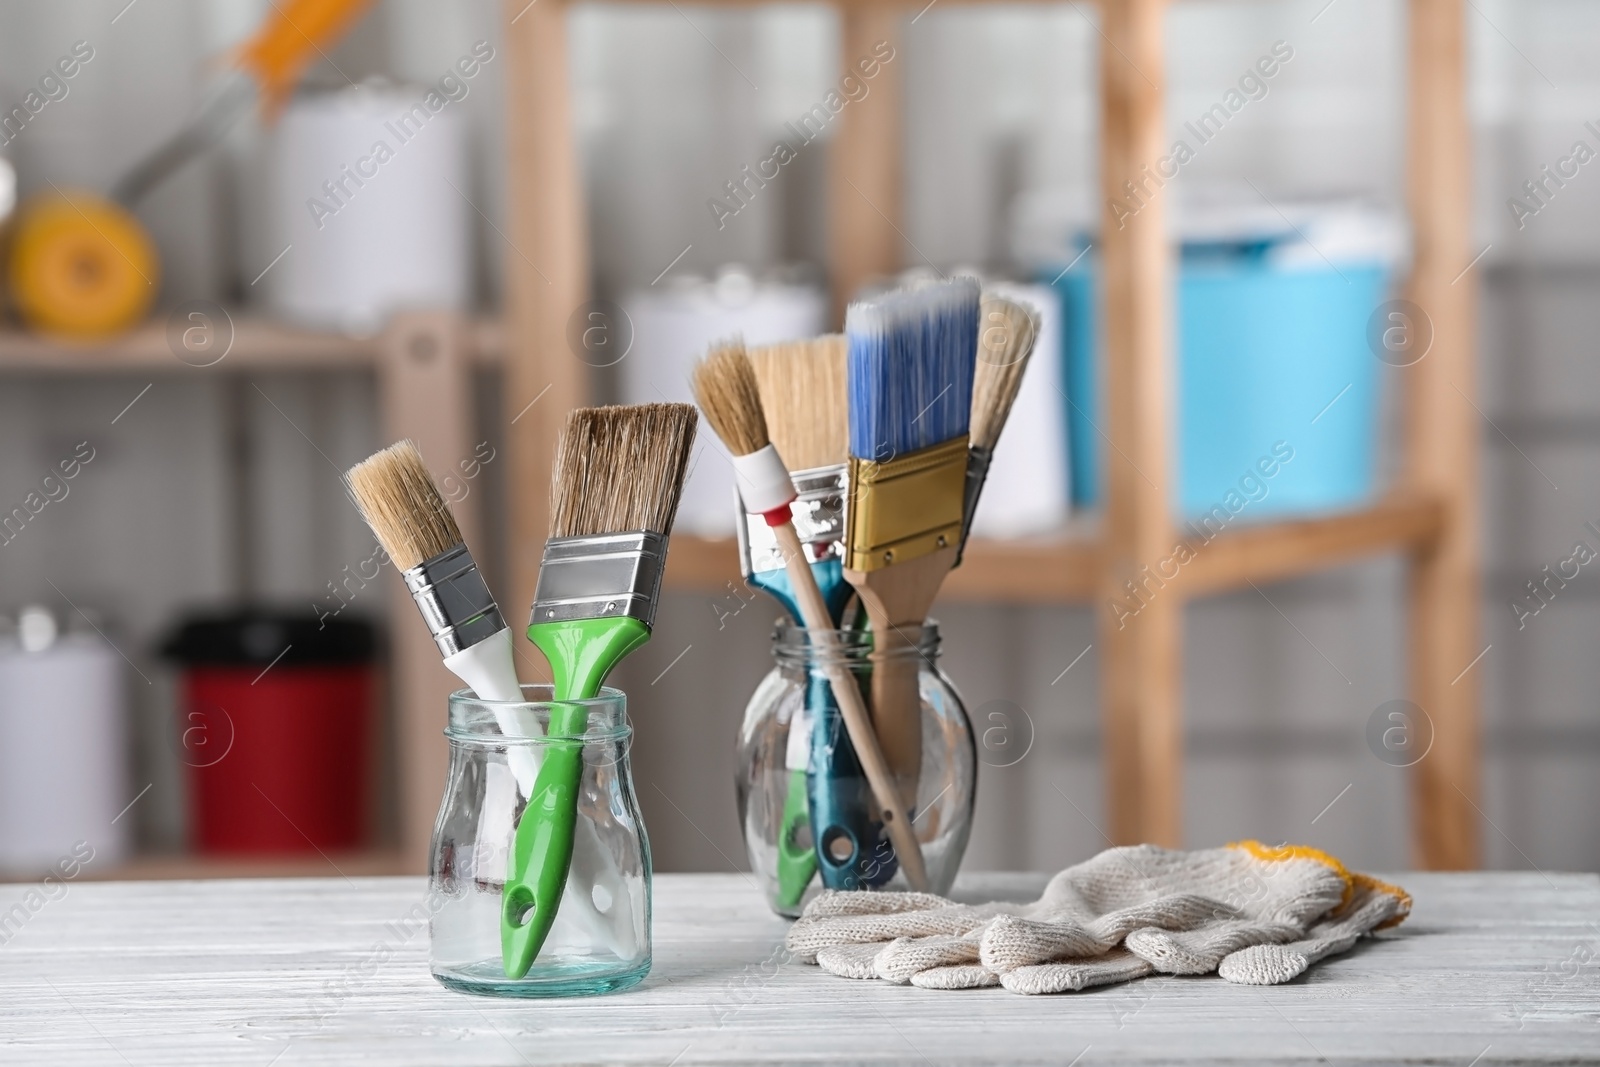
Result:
1121,915
1373,905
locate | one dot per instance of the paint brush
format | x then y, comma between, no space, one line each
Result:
614,493
806,401
802,391
1005,344
399,500
725,386
912,354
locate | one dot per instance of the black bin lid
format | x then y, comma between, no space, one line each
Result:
259,636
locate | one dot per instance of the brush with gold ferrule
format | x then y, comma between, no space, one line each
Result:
912,355
725,386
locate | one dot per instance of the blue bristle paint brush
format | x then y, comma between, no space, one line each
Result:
912,354
802,387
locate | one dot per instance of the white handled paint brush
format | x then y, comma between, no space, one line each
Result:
725,386
1006,334
400,502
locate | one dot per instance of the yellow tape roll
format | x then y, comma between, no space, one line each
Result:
81,266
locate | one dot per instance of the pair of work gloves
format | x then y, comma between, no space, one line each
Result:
1255,914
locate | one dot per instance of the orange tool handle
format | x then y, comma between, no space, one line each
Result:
293,35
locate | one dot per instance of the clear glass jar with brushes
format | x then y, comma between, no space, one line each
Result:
600,941
805,806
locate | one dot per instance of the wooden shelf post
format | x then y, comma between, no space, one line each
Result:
865,170
1441,440
1140,621
546,279
425,389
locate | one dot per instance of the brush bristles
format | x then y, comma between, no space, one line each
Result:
911,363
807,403
725,386
399,500
1005,341
620,469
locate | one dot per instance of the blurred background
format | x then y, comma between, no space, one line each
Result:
199,491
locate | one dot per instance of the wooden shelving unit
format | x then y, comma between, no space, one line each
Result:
1429,517
422,362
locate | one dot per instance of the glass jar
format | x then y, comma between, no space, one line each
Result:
600,939
797,770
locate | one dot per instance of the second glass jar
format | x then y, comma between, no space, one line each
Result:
804,805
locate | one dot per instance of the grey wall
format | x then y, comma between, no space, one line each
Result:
1000,99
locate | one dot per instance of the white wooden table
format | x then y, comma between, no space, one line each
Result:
1491,968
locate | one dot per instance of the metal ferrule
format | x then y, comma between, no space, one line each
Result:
906,508
600,576
454,599
819,519
978,460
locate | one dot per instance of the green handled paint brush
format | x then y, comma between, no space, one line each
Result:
618,476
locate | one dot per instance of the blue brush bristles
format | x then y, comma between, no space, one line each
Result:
912,354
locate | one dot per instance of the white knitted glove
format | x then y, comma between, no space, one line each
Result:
1175,912
1374,905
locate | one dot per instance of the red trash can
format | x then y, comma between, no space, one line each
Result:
276,726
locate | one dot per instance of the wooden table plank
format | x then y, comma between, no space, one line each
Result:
1506,966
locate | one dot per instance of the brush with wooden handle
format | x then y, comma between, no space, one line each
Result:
725,386
912,355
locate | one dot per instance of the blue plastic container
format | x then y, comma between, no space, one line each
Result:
1269,360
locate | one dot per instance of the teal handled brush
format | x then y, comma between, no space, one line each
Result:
827,821
802,386
912,355
725,386
1006,335
802,390
618,476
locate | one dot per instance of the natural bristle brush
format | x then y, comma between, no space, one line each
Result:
1006,334
614,493
725,385
827,815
